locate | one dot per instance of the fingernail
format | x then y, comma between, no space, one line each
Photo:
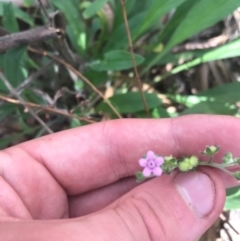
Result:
197,190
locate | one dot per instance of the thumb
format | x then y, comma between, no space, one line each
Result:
179,208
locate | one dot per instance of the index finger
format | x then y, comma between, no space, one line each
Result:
89,157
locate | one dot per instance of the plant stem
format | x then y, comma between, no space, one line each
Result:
219,166
211,159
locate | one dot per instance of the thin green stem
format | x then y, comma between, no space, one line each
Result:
211,159
219,166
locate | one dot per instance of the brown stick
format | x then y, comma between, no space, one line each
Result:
28,37
87,81
46,108
22,101
133,57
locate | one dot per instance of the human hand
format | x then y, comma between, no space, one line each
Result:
79,184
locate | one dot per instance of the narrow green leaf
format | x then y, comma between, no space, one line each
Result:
116,60
118,16
19,13
13,62
130,102
193,21
71,12
177,18
229,50
155,12
75,28
94,8
9,20
118,38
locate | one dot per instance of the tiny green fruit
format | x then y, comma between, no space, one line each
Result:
184,166
193,160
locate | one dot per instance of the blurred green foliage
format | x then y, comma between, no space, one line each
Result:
95,32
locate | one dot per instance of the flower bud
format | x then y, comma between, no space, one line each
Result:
237,175
210,150
227,158
170,163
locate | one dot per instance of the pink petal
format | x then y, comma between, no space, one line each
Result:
147,172
150,155
142,162
157,171
159,160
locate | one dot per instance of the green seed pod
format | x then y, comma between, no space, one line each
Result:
188,164
184,166
193,160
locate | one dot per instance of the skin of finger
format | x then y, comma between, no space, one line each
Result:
110,149
152,211
95,200
63,156
10,203
165,215
30,192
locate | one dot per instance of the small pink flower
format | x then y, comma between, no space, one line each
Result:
151,164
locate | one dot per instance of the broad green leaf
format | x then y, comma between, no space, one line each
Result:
218,100
233,198
159,112
94,8
188,100
96,77
130,102
193,21
9,20
75,123
13,62
116,60
207,107
226,92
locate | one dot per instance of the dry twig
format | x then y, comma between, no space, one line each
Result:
30,79
80,75
133,57
46,108
14,92
28,37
